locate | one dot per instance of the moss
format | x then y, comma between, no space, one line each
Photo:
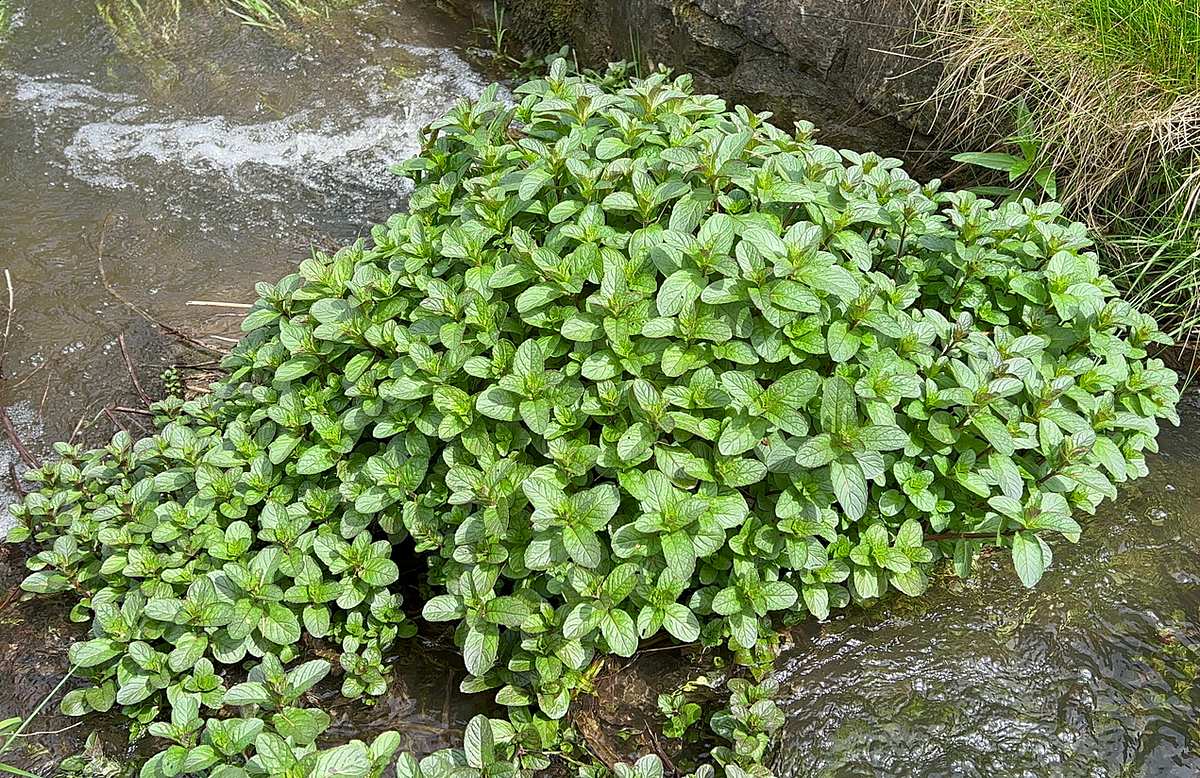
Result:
543,25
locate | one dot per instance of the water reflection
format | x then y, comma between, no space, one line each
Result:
1093,673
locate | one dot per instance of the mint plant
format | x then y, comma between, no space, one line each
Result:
632,366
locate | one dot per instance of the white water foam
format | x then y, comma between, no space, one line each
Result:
116,141
355,145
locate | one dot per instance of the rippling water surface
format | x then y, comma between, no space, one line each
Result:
196,169
1093,673
209,162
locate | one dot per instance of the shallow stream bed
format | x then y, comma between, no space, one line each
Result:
220,155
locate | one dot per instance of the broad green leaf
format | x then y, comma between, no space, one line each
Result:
850,487
1028,558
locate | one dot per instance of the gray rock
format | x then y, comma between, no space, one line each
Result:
849,66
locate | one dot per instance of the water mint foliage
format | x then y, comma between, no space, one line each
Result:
631,365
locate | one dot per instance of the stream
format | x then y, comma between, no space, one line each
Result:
192,157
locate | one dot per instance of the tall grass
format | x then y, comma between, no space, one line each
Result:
1161,36
1113,92
1158,267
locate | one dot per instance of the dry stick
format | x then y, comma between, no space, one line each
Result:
23,452
137,385
116,422
8,322
79,424
31,374
132,411
16,480
139,310
671,769
45,394
218,304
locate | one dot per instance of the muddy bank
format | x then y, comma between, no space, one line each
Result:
845,65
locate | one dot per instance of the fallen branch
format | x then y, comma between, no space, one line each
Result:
966,536
45,394
79,424
116,422
16,479
137,385
27,457
31,374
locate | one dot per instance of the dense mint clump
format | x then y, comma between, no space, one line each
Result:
631,364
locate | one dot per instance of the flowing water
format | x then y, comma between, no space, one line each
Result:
196,158
1096,672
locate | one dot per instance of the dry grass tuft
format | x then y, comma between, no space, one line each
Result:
1112,89
1106,124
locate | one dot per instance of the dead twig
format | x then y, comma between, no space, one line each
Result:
133,411
116,422
116,295
79,424
31,374
13,595
218,304
16,479
658,747
45,394
26,456
8,321
137,385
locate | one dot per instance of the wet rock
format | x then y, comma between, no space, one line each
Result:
846,65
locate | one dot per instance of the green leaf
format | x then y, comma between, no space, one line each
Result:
850,487
315,459
1028,558
92,653
480,648
882,437
842,343
816,452
479,744
681,288
348,761
249,693
743,629
296,367
739,434
681,623
831,279
497,403
995,432
779,595
443,607
583,546
991,160
619,632
838,405
679,553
